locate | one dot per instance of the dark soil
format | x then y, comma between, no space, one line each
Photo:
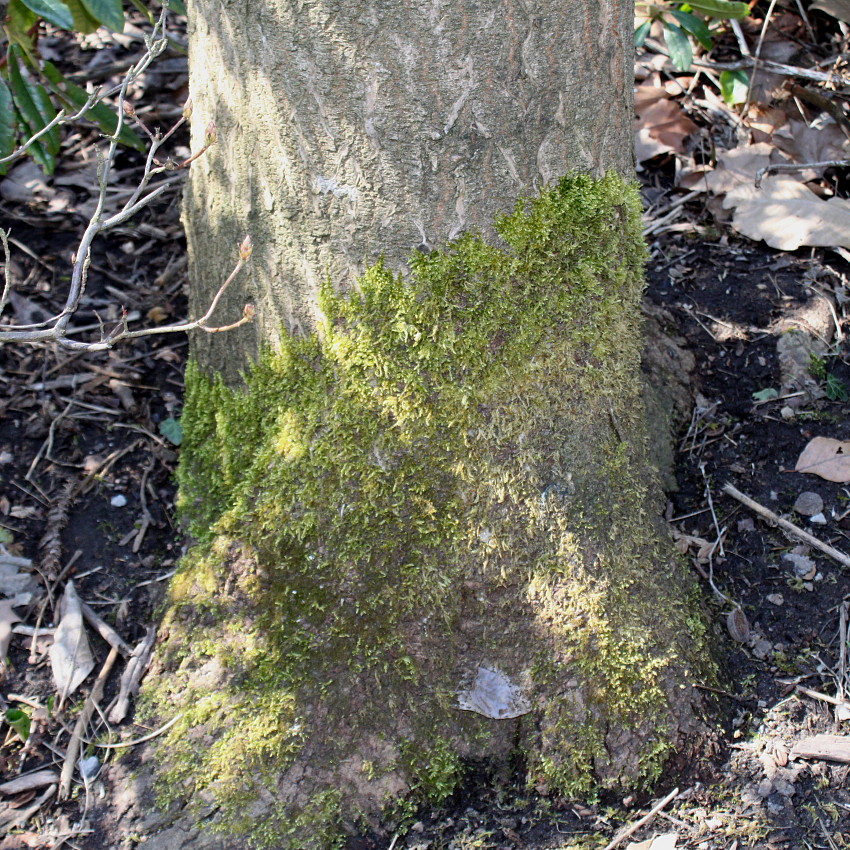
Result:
88,426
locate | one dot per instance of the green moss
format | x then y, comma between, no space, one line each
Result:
451,471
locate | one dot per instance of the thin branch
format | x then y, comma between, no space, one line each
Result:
787,526
643,821
56,329
798,166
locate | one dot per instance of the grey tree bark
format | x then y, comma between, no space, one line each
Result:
350,131
427,526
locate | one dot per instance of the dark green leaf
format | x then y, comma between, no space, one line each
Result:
48,112
679,46
19,721
7,123
54,11
141,7
74,97
734,86
642,32
836,389
176,6
766,394
722,10
694,26
108,12
172,430
27,108
83,21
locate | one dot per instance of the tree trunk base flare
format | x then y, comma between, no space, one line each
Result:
426,533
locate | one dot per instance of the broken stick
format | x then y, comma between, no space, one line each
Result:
787,526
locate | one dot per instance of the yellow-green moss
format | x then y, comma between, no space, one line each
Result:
451,469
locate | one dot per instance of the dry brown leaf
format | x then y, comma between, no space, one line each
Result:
804,143
661,125
738,167
827,458
786,214
764,121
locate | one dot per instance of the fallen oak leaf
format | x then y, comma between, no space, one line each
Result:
786,214
827,458
661,125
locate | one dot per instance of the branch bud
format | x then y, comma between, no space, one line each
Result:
249,312
129,111
187,108
245,249
210,134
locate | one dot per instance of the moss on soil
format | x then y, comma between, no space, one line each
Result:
450,472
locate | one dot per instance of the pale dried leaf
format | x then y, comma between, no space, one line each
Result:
739,167
70,655
827,458
786,214
494,695
667,841
8,618
804,567
837,8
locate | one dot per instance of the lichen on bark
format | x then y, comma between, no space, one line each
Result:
450,474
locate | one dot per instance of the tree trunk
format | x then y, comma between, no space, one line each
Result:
426,526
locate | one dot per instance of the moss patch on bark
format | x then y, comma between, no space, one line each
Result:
450,474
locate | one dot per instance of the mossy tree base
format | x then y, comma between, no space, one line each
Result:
451,475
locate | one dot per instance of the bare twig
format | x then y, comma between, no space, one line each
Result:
132,675
56,329
73,750
106,631
123,744
787,526
643,821
798,166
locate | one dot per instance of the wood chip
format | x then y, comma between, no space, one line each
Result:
826,747
32,780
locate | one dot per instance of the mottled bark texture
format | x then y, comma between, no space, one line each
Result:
353,130
427,527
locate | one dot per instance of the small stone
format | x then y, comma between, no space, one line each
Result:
775,599
783,787
762,648
118,501
808,504
818,519
787,413
765,788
